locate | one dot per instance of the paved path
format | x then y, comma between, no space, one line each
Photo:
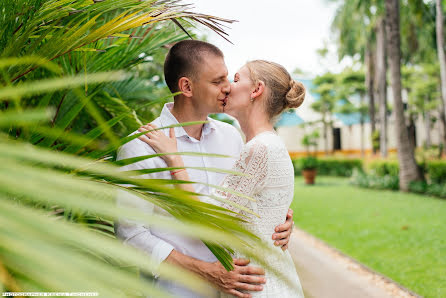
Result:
326,273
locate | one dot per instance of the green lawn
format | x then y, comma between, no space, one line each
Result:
400,235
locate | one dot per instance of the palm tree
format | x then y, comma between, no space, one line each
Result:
409,170
355,23
351,83
381,84
442,61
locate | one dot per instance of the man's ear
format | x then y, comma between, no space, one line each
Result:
185,86
259,89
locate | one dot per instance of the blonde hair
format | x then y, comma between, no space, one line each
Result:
284,92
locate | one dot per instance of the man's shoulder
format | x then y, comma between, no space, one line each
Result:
136,147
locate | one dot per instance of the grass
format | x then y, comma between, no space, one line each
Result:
400,235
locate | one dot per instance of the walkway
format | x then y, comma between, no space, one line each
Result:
327,273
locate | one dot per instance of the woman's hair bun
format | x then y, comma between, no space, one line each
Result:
296,95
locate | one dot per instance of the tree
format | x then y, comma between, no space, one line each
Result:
409,170
355,23
361,32
381,84
442,61
325,104
351,83
421,83
310,140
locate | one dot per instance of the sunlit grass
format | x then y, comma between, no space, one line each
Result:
400,235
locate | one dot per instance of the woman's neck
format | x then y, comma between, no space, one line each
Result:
254,124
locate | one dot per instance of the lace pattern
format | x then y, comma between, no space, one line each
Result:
270,181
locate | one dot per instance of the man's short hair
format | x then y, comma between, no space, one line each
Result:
184,59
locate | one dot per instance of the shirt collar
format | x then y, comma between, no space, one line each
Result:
167,118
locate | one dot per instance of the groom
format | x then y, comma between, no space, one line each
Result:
198,70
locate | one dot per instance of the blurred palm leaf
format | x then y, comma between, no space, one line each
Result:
62,88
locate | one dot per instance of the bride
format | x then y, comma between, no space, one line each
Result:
261,90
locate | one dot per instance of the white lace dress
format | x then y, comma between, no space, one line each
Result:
271,183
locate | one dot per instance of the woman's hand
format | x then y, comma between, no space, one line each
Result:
162,143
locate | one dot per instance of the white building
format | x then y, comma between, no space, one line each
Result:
345,138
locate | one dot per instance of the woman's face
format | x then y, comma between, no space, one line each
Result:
241,89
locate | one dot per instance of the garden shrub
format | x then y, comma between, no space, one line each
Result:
382,168
359,178
432,189
331,166
436,170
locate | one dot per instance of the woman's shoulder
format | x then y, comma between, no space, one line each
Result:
269,142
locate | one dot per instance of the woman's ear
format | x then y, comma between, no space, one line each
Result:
185,86
259,89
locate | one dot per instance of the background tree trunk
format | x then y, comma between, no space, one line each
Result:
325,134
370,86
442,117
361,121
427,126
381,84
409,170
442,62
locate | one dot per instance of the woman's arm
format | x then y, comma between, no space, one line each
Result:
167,144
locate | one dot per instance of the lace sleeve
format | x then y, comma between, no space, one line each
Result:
253,161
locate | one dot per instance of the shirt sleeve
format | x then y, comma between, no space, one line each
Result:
253,162
135,233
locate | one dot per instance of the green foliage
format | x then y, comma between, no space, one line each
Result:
339,167
383,174
331,166
382,168
308,163
431,189
310,140
375,140
72,81
362,179
436,170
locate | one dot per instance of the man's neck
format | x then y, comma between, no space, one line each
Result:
187,113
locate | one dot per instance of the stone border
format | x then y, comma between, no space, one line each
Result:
390,286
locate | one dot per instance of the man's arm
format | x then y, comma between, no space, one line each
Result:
134,233
283,232
242,277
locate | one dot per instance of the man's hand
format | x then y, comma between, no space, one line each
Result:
242,278
283,232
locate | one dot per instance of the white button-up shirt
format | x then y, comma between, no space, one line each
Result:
217,137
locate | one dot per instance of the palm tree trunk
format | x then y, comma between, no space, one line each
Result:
361,120
325,133
370,82
442,62
442,117
427,126
381,85
409,170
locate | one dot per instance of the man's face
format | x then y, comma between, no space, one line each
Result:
211,86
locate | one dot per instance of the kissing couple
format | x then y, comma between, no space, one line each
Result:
260,91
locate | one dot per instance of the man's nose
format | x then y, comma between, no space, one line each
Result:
227,87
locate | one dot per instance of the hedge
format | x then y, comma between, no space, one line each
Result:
332,166
383,174
435,170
